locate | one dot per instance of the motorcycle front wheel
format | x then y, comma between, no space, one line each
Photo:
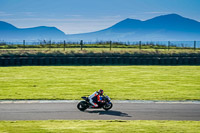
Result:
107,106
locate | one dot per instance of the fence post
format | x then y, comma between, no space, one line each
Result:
64,45
24,43
110,45
81,43
45,44
140,45
168,45
194,45
50,45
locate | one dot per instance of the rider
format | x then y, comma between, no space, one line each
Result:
96,97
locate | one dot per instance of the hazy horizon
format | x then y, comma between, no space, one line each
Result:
74,16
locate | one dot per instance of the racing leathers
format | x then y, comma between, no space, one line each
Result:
94,98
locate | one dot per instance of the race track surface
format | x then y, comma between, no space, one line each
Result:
123,111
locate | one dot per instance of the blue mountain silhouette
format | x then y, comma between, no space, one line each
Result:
11,33
165,27
171,27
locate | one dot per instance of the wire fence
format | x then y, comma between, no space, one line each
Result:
101,45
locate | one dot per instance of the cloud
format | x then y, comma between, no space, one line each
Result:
61,19
111,17
156,12
72,15
18,14
2,14
29,14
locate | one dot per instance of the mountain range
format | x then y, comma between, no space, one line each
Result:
171,27
9,32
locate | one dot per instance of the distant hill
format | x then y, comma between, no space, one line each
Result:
162,28
171,27
9,32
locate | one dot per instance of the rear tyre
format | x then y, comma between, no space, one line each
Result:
82,106
107,106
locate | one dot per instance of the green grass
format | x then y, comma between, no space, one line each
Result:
103,126
101,52
119,82
99,49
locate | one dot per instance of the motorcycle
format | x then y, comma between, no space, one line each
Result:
106,105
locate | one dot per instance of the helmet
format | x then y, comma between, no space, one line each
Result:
100,92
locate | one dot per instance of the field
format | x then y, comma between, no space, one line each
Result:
119,82
100,52
103,49
98,49
105,46
103,126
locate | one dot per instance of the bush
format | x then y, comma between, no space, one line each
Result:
84,53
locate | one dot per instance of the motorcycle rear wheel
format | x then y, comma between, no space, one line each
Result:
82,106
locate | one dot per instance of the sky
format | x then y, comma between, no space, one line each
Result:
81,16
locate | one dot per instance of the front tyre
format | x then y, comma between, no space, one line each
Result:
82,106
107,106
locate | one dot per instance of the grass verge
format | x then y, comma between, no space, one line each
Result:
95,52
103,126
119,82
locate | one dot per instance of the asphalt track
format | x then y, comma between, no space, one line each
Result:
123,111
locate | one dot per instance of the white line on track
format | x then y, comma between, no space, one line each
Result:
114,101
